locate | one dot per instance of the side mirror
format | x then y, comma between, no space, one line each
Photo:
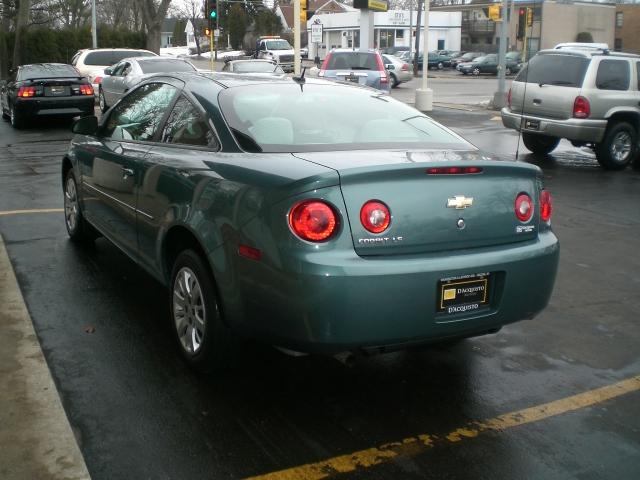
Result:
108,71
389,66
85,125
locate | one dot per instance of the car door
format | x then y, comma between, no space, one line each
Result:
120,86
109,84
110,170
184,142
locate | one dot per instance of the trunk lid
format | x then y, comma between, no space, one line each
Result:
421,220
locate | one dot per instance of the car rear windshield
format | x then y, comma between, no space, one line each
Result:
560,70
47,70
165,65
287,118
256,67
352,61
109,57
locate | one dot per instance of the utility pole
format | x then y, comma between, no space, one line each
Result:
500,97
417,47
296,37
424,95
94,34
410,24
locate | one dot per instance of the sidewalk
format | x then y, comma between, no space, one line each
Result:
36,440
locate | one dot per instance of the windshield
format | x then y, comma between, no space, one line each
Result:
560,70
288,118
47,70
165,65
256,67
109,57
278,45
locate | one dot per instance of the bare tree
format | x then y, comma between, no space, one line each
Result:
22,22
192,10
153,15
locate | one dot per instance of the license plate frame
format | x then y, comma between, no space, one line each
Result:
463,294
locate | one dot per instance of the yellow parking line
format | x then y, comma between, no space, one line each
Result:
418,444
32,210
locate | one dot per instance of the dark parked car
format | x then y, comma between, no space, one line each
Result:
326,233
467,57
488,64
45,89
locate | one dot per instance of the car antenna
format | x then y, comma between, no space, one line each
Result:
300,79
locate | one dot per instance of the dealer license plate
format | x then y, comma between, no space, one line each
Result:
463,294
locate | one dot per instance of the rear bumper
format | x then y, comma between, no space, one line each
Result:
63,106
347,302
577,129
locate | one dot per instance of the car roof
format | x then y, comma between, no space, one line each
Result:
588,53
355,50
46,63
261,60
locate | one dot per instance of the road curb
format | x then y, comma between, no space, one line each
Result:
36,440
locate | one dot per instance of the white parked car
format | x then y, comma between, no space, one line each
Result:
91,62
399,70
127,73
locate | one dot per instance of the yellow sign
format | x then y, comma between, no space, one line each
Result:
494,13
529,16
378,5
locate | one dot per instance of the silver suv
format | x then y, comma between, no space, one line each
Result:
590,97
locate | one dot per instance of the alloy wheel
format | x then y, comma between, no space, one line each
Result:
71,204
189,312
621,147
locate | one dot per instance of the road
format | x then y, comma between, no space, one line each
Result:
476,409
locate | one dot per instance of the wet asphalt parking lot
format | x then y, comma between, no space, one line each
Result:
556,397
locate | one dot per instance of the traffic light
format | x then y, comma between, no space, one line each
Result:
522,19
304,6
529,16
212,10
207,31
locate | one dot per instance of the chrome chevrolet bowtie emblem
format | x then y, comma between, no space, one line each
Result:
459,202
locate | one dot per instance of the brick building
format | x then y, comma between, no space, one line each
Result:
627,32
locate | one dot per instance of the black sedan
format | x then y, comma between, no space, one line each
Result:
45,89
488,64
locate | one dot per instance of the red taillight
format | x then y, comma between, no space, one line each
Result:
509,99
25,92
581,108
97,80
453,170
313,220
324,66
524,207
375,216
405,67
86,90
249,252
545,206
384,78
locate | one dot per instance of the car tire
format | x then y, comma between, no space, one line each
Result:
539,144
203,338
394,81
5,114
476,72
618,147
79,230
17,120
440,66
102,101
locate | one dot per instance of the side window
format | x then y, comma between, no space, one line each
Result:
613,75
138,115
186,126
117,70
126,70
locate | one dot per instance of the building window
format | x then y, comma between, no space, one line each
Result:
619,19
399,33
617,46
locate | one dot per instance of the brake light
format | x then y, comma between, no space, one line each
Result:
545,206
26,92
97,80
375,216
325,65
581,108
524,207
405,67
453,170
509,99
86,90
313,220
384,78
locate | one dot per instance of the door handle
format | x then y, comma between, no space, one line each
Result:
537,101
127,172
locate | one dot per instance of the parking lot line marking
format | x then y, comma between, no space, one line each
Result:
415,445
32,210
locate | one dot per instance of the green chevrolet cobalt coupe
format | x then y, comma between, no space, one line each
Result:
315,216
